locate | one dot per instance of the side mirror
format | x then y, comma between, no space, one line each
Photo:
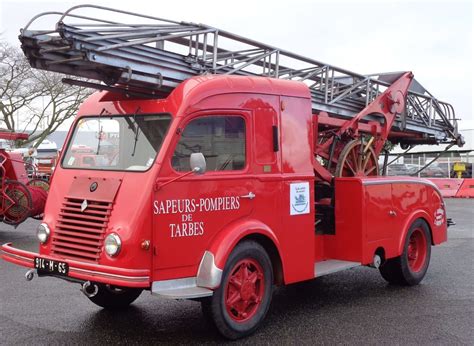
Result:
197,162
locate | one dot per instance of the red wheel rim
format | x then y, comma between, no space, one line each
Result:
416,250
244,290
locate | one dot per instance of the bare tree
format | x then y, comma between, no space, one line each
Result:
16,92
38,98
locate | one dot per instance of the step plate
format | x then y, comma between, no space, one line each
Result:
332,266
185,288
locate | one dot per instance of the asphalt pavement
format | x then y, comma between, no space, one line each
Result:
352,307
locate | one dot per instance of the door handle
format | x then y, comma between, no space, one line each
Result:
250,195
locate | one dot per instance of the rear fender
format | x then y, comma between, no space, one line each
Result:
417,214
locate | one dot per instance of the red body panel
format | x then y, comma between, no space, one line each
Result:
346,244
148,206
297,234
374,213
13,166
13,136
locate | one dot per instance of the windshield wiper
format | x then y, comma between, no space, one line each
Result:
137,130
100,131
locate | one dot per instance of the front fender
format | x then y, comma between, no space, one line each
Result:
225,241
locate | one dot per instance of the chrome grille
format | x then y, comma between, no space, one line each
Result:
80,234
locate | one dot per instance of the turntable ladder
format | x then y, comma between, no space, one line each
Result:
148,56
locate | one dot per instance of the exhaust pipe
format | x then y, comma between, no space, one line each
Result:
30,274
89,289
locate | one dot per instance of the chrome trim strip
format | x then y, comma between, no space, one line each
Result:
124,277
184,288
391,181
401,181
5,253
209,275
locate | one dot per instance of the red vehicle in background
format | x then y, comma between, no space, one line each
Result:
22,195
220,187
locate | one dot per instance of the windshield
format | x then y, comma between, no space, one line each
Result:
125,143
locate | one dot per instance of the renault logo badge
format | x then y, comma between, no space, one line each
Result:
84,205
93,187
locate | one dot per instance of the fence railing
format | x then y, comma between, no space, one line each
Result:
442,168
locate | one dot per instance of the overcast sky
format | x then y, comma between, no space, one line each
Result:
431,38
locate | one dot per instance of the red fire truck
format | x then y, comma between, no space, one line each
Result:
22,192
209,179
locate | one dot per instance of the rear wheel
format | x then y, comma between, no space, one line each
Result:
17,203
241,303
410,268
113,297
41,183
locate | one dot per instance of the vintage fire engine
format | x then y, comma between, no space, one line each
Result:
22,193
213,167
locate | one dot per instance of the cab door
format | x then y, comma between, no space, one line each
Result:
188,212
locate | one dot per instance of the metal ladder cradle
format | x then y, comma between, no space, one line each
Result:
149,56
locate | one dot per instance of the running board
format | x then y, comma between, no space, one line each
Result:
332,266
185,288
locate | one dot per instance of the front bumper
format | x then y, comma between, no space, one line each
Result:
82,270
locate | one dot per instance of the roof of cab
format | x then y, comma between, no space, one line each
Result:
192,91
200,87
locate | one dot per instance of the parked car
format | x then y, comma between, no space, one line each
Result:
412,169
398,169
435,170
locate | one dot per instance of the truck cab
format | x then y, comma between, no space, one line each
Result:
134,212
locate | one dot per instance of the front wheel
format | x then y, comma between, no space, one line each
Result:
113,297
241,303
410,268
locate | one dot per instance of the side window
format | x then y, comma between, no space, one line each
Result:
221,139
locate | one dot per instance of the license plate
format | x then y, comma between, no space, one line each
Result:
51,267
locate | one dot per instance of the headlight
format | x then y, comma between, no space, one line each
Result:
112,244
43,232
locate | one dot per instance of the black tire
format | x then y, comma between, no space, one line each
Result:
251,257
206,309
407,269
115,298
